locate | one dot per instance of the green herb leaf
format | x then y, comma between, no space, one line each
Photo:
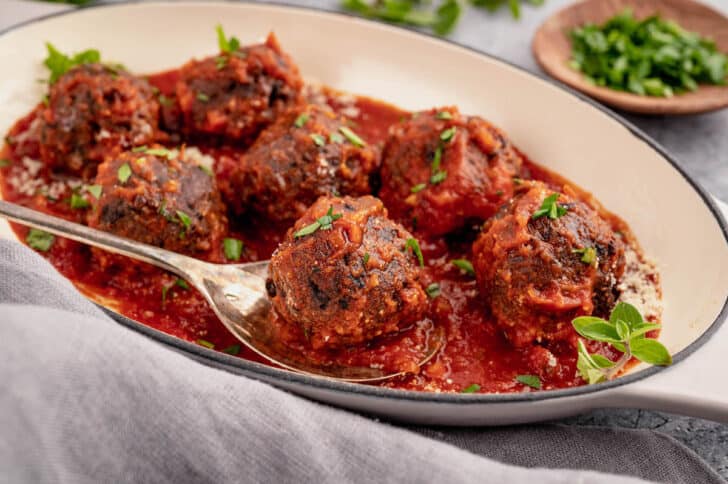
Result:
95,190
124,172
550,208
622,330
307,230
163,152
448,134
336,138
181,283
413,245
650,351
532,381
438,177
301,120
596,329
436,159
232,350
446,16
642,329
202,97
59,63
627,313
433,290
464,265
471,388
4,163
443,115
227,45
365,259
323,223
318,139
588,255
39,240
206,344
233,248
418,188
352,137
185,219
78,201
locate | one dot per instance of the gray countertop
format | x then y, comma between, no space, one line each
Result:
698,142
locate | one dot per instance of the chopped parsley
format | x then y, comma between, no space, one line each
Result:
59,63
365,259
39,240
232,350
588,255
221,62
336,138
185,219
164,152
418,188
471,388
4,163
78,201
352,137
414,246
532,381
233,248
206,344
227,45
550,208
301,120
433,290
444,115
208,171
438,177
202,97
464,265
164,100
95,190
323,223
318,139
181,283
448,134
123,173
437,159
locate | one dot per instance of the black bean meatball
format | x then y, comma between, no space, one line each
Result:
540,272
237,94
446,170
161,198
93,111
349,280
301,157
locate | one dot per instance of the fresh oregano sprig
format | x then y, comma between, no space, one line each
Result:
626,331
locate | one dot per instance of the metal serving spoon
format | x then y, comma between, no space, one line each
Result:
236,292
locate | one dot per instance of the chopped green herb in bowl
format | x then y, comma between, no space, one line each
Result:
648,57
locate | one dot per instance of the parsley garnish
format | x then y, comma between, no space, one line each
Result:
164,100
227,45
202,97
437,159
181,283
301,120
39,240
59,63
323,223
232,350
418,188
532,381
352,137
438,177
626,331
185,219
413,245
588,255
410,12
464,265
95,190
221,62
233,248
208,171
550,208
163,152
318,139
4,163
205,343
471,388
433,290
443,115
365,259
123,173
336,138
78,201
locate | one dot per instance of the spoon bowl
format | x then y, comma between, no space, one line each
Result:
235,292
552,49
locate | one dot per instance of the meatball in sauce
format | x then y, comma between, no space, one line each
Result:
92,111
442,170
301,157
538,271
159,197
236,94
349,280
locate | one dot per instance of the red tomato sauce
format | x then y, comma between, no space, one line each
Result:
475,351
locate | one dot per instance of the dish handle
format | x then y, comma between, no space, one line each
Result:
695,386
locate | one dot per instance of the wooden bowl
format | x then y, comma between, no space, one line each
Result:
552,49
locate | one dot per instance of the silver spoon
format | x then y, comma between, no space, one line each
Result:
236,292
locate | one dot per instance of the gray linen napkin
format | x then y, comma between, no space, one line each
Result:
85,399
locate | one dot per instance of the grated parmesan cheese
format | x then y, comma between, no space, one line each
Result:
637,285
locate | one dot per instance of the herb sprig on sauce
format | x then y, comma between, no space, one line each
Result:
652,57
59,63
626,330
322,223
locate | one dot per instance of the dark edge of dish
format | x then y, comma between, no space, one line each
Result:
238,365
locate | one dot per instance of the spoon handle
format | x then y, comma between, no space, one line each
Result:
165,259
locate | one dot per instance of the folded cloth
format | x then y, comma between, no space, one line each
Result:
85,399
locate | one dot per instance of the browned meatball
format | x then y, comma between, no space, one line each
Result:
348,281
301,157
159,198
93,111
237,94
442,170
540,273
